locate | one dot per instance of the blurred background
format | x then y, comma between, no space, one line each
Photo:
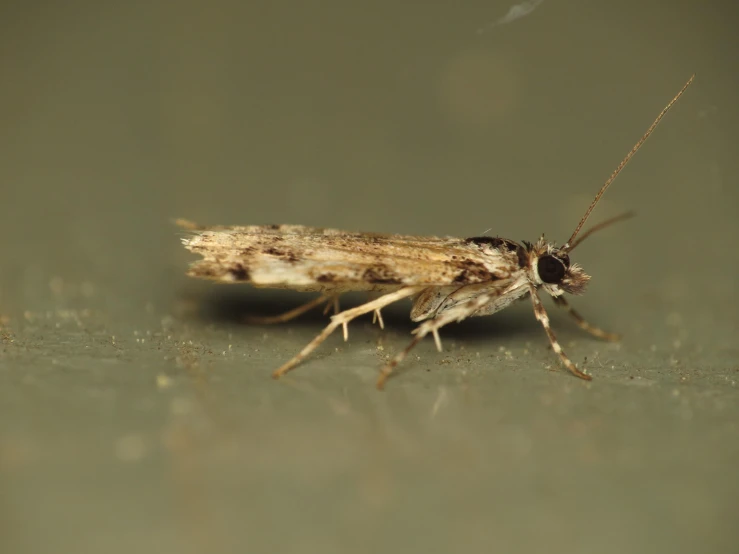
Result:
136,410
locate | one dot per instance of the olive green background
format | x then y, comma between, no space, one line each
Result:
136,410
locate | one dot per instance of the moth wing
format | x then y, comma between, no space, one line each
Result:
310,258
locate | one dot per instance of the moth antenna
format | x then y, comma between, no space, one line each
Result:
601,225
569,244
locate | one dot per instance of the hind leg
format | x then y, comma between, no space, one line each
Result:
342,319
290,314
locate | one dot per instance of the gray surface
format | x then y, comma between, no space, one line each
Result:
137,414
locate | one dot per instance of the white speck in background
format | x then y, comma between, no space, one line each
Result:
515,12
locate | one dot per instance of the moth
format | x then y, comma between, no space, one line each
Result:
448,279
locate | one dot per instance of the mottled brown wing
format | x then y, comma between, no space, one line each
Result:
310,258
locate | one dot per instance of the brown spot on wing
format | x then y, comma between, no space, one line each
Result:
239,273
473,272
326,278
203,271
286,255
381,274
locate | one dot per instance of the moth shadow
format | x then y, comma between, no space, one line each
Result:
226,305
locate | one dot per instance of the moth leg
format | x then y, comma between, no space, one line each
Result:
333,302
377,317
457,313
437,340
399,357
584,325
377,314
342,319
290,314
541,314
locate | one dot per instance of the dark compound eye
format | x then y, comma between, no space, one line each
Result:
551,270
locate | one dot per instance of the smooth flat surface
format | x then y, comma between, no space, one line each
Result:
136,410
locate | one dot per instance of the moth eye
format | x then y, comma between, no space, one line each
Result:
551,270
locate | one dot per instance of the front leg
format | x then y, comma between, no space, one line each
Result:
541,314
584,325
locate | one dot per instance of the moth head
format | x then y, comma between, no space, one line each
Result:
557,274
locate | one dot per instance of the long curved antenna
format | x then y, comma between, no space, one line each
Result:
599,226
569,244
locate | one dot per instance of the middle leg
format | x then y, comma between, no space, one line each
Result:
455,313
